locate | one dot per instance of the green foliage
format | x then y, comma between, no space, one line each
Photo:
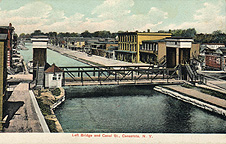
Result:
213,93
37,32
215,37
102,34
44,107
51,124
206,91
22,35
56,92
191,32
86,34
187,86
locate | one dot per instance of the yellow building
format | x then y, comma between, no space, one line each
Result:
131,42
3,75
173,51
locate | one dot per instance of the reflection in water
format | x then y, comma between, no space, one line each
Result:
179,117
129,109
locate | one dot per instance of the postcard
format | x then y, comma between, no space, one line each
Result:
112,71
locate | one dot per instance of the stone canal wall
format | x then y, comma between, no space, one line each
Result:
60,99
192,101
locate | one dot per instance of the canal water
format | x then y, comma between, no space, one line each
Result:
128,109
52,57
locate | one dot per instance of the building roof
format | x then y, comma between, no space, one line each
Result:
6,27
145,33
53,69
3,36
177,37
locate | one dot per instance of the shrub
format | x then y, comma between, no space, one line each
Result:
44,108
56,92
51,124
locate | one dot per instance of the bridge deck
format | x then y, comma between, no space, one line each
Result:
129,82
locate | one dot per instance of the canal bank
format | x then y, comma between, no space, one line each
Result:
48,100
196,97
90,60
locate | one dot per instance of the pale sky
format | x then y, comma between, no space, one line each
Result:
26,16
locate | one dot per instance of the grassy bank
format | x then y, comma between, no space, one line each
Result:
46,98
206,91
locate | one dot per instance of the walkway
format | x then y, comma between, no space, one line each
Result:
94,59
128,82
198,95
22,116
19,77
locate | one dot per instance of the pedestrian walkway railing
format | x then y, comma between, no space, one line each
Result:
116,73
194,76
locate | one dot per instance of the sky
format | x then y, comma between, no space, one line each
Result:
77,16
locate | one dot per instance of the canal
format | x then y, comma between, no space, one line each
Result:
128,109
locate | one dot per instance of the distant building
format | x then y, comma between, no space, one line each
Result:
3,74
110,52
76,43
131,42
213,46
214,55
53,77
9,31
101,48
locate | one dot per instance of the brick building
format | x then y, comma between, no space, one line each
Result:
9,30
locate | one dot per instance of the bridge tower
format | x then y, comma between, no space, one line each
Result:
39,58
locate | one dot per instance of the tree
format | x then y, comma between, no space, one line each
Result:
22,35
86,34
52,34
37,32
217,32
74,34
191,32
216,37
102,34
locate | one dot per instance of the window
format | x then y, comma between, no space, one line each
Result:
59,76
54,77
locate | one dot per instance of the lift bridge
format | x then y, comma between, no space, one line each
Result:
120,75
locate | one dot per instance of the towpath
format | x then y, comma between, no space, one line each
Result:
94,59
198,95
22,116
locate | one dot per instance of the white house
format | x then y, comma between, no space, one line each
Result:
53,77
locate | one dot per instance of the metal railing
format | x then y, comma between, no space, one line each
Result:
115,73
